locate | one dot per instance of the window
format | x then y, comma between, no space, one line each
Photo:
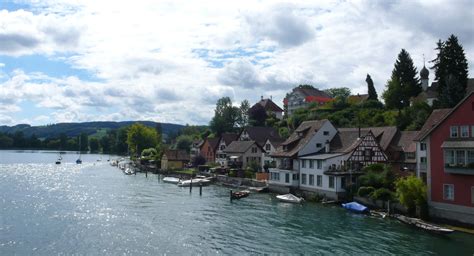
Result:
303,178
318,145
460,157
343,182
449,157
303,163
311,164
470,157
454,132
448,192
319,180
320,164
472,195
311,180
465,131
268,147
422,146
326,133
295,177
331,181
287,177
472,131
254,149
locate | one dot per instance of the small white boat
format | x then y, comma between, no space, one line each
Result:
290,198
172,180
128,171
195,182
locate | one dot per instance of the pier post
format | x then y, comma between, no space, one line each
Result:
231,195
146,173
200,188
191,186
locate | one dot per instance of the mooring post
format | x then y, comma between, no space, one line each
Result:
200,188
146,173
191,185
231,195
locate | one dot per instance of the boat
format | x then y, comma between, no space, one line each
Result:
290,198
172,180
128,171
259,189
60,157
379,214
79,160
423,225
240,194
355,207
195,182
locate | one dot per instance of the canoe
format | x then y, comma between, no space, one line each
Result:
423,225
172,180
195,182
355,207
240,194
290,198
259,189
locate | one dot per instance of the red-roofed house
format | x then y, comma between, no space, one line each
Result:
447,139
270,107
302,96
209,148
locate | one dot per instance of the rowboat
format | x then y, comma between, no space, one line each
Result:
290,198
240,194
423,225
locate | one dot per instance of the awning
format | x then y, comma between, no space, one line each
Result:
458,144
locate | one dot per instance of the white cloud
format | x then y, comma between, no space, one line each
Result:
171,60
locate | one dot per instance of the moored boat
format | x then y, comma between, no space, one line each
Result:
355,207
195,182
240,194
423,225
290,198
172,180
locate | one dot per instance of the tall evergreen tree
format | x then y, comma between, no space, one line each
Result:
408,82
451,72
370,88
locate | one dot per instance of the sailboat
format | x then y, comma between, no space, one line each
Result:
59,159
79,161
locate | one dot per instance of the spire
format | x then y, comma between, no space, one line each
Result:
424,74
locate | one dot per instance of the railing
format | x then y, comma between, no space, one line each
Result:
459,169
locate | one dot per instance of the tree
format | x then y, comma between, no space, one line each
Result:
408,84
411,192
225,116
121,143
257,115
198,160
451,72
140,137
342,92
243,120
94,144
62,140
183,142
149,153
370,88
84,142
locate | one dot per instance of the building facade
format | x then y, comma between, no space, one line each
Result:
301,97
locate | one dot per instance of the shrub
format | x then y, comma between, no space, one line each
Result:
382,194
248,174
365,191
232,173
411,192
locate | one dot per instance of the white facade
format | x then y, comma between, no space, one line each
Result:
324,135
221,157
269,148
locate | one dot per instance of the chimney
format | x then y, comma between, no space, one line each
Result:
326,148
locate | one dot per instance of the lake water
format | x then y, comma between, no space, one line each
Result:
93,208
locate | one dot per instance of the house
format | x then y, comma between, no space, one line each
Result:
174,159
259,134
270,147
195,148
406,147
302,96
448,139
208,149
309,138
270,107
224,142
357,99
241,153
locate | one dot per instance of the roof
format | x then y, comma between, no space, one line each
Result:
384,134
176,155
312,92
276,141
357,98
299,138
262,134
345,141
239,146
436,116
405,141
213,142
229,137
269,105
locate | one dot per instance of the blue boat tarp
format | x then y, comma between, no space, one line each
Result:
354,206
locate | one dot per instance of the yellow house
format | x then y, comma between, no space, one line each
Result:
174,159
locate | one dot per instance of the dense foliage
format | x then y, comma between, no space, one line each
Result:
411,192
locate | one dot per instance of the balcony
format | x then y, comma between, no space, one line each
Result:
459,169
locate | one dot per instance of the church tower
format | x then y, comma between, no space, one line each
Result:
424,74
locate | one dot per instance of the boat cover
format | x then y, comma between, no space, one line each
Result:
354,206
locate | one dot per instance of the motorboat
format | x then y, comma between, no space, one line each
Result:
290,198
240,194
128,171
172,180
195,182
355,207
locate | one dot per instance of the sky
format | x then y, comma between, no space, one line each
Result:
170,61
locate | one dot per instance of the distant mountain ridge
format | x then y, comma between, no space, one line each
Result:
74,129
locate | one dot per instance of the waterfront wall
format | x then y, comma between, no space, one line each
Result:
241,181
451,213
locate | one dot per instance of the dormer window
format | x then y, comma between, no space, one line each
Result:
268,147
318,145
326,133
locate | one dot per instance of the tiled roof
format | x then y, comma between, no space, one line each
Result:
384,134
269,105
229,137
299,138
176,155
239,146
358,98
213,142
405,141
312,92
345,141
436,116
261,134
